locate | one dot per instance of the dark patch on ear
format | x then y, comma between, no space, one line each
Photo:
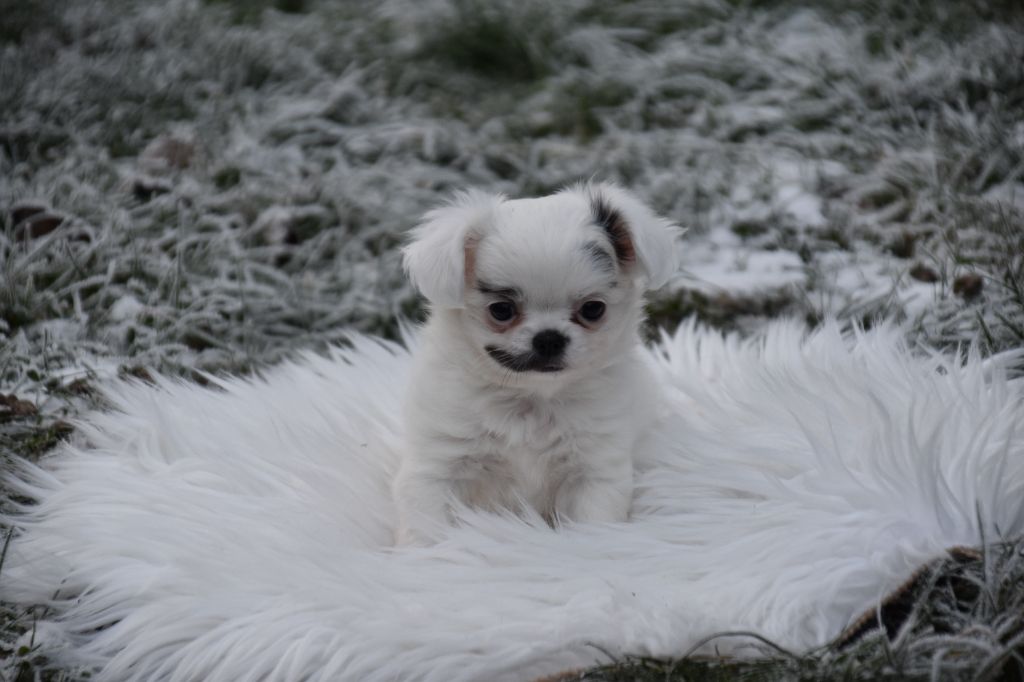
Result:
614,225
600,256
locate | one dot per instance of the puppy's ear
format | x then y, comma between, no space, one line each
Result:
644,241
436,257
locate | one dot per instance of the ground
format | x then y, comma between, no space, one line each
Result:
207,186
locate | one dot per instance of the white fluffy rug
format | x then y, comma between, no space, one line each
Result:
243,534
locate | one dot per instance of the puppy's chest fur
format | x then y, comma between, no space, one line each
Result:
525,449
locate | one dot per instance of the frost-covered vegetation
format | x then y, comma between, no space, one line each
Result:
205,186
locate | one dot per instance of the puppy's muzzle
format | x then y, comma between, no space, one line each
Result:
545,355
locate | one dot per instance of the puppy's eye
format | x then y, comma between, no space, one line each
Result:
592,311
502,311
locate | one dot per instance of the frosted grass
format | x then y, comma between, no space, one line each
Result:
221,183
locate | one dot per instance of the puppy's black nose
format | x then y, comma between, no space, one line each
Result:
550,343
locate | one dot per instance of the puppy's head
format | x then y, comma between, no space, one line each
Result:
543,288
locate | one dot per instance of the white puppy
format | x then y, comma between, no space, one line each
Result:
528,387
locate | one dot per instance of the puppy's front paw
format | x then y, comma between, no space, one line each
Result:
420,498
596,501
406,536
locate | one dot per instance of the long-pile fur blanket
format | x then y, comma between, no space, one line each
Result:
244,531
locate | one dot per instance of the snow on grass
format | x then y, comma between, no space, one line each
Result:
191,185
